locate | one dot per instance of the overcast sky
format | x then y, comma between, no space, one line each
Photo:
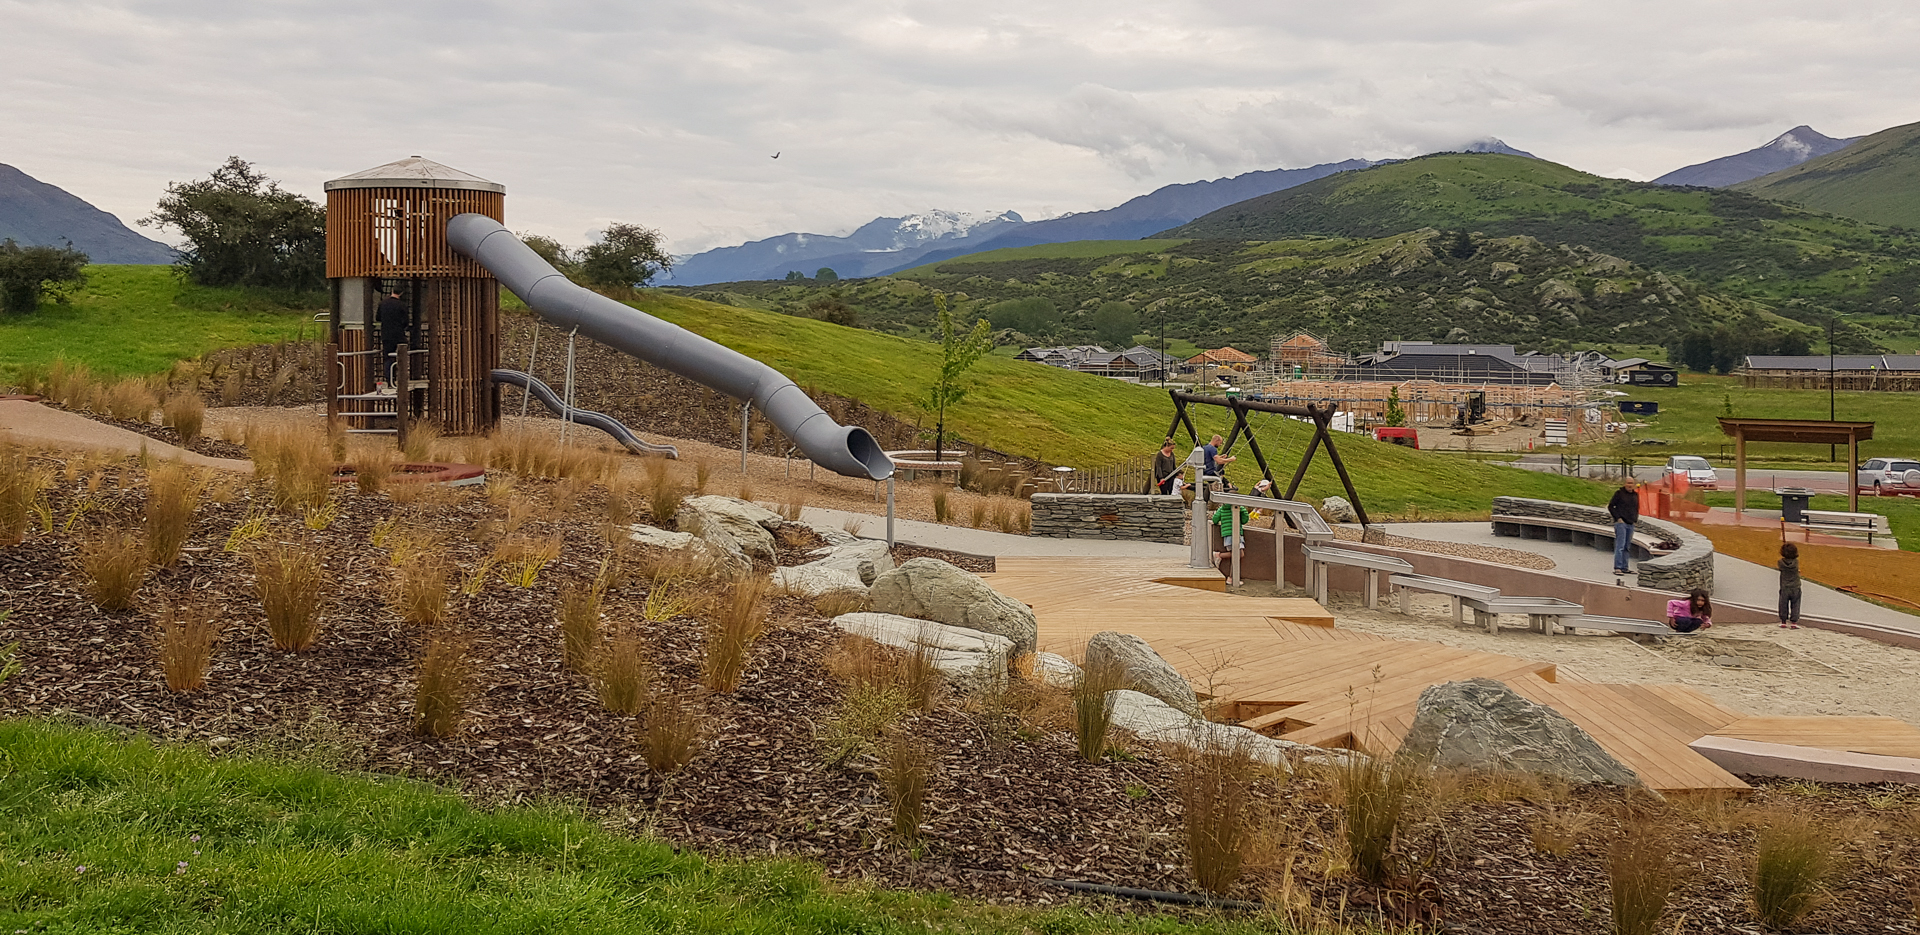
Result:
667,113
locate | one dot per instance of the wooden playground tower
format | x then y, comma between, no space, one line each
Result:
387,231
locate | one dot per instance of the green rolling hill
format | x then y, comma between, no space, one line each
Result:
1876,180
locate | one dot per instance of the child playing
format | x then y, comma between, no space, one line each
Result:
1690,613
1789,586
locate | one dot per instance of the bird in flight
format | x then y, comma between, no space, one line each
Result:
777,155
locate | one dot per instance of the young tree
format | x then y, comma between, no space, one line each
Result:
628,256
1114,324
958,353
242,229
26,273
1396,416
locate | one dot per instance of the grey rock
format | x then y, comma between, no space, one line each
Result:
1338,510
967,655
814,579
661,538
718,539
930,589
865,559
1145,671
1152,719
1055,670
1482,724
743,509
730,529
831,535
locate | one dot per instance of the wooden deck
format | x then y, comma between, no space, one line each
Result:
1283,669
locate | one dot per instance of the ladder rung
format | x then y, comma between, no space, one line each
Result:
371,432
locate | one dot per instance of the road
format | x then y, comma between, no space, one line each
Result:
1757,478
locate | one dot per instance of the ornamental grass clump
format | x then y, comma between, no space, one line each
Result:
129,400
1640,877
1215,783
622,673
942,510
373,467
172,497
115,564
579,613
909,766
1375,794
21,486
737,621
187,635
1093,706
295,463
672,735
186,415
289,578
420,591
1793,859
664,493
445,684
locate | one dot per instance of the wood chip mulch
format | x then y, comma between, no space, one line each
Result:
1010,803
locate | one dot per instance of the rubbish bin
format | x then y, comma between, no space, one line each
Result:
1793,503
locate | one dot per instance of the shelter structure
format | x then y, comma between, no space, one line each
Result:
387,232
1798,432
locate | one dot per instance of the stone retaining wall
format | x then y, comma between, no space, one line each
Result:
1143,517
1686,568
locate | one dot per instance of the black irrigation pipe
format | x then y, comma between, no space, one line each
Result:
1158,896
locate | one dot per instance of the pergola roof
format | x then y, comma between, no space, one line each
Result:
1804,431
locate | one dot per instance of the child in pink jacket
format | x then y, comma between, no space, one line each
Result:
1690,613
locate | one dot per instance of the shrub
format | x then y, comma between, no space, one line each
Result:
1093,706
622,674
1375,795
187,635
908,768
1793,858
579,613
172,497
1216,789
738,621
664,493
288,578
445,684
115,563
1640,876
672,735
420,594
186,414
942,511
21,486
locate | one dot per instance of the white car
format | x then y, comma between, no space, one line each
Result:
1889,474
1699,472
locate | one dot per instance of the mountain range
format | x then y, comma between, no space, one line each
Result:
1785,151
1876,179
37,214
874,248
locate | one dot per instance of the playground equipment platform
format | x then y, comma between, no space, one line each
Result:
1279,666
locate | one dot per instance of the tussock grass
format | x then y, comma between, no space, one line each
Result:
673,733
746,490
1640,877
834,603
664,493
1215,784
791,505
1375,795
22,485
420,590
537,454
373,468
186,414
918,675
295,462
977,514
702,472
422,438
851,525
128,400
942,510
579,613
115,563
289,580
659,567
567,493
909,767
1556,831
187,635
173,494
444,686
521,558
1093,706
1792,862
622,501
736,624
622,672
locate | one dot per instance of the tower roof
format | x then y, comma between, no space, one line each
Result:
414,172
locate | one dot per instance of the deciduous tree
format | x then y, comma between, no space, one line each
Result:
958,353
628,256
1114,324
242,229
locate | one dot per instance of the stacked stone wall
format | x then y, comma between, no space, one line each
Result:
1142,517
1688,567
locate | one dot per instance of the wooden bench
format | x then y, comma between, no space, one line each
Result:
1319,557
1620,625
1407,584
1836,521
1566,530
1543,613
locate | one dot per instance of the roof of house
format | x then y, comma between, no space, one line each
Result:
1624,364
1452,367
1222,355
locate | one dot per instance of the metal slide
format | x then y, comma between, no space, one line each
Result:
599,420
843,449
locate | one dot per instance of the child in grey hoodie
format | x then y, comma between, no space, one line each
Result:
1789,586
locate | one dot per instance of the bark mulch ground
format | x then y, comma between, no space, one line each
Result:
1010,804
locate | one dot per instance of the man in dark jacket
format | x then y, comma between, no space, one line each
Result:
394,318
1625,510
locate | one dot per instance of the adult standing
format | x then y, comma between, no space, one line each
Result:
394,318
1625,510
1215,463
1166,468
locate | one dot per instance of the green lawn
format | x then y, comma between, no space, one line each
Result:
1902,513
1689,415
1071,250
106,836
131,320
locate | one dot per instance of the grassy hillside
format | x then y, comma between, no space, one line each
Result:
140,319
1727,240
1083,421
1876,179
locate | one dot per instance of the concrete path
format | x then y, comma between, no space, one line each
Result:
1734,579
33,425
983,542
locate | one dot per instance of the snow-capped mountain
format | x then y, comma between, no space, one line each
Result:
881,243
1785,151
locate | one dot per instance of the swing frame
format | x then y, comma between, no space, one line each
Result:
1321,416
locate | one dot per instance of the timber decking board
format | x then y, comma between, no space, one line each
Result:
1884,736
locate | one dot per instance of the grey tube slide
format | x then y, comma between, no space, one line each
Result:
843,449
599,420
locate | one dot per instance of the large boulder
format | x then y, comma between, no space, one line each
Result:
1149,718
1484,725
865,559
660,538
728,529
720,550
743,510
1144,670
1338,510
930,589
966,655
1055,670
814,579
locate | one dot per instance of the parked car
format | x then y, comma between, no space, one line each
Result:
1699,472
1890,475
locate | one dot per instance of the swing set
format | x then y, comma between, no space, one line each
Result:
1321,416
